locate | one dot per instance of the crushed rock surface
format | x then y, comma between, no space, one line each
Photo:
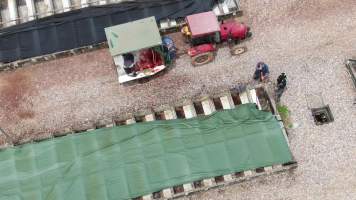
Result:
307,39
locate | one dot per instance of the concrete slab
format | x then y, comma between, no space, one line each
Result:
150,117
130,121
31,9
254,98
13,14
209,182
147,197
189,111
167,193
84,3
227,102
170,114
244,97
208,106
228,177
188,187
66,5
248,173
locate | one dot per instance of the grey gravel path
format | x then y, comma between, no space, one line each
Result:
307,39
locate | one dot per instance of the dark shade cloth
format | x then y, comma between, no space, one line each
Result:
85,26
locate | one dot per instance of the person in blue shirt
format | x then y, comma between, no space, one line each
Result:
261,72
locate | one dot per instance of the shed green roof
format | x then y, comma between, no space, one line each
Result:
133,36
124,162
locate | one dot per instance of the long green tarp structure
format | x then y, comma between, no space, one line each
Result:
124,162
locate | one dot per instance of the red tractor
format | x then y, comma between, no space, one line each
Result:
203,31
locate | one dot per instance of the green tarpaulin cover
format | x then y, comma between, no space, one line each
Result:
129,161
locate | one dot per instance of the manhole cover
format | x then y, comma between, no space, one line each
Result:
321,112
322,115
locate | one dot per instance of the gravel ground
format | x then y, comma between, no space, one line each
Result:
307,39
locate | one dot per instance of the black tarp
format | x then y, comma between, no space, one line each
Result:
85,26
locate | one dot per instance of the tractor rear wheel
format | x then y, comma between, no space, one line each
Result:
236,50
203,58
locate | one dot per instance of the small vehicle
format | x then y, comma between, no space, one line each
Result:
203,31
138,49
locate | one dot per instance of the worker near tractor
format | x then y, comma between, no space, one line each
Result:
186,33
262,72
281,86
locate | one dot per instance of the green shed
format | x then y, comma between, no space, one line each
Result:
133,36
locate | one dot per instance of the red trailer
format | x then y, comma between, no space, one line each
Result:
203,31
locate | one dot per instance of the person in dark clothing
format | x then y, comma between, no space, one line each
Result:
281,85
129,64
282,81
261,72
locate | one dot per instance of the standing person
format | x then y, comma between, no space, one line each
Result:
186,33
281,85
261,72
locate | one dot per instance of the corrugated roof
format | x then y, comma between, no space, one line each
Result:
133,36
129,161
203,23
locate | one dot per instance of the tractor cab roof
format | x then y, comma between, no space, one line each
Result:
202,24
133,36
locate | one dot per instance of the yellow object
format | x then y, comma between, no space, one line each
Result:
185,31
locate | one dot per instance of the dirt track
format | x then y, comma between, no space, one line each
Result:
309,40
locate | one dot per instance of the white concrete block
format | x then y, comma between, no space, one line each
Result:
284,132
228,177
227,102
277,167
150,117
66,5
102,2
278,117
164,23
84,3
109,125
268,169
50,6
31,10
225,8
244,97
248,173
147,197
130,121
189,111
170,114
209,182
172,23
208,106
13,14
188,187
217,11
167,193
255,98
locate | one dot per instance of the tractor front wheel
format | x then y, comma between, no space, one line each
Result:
203,58
236,50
